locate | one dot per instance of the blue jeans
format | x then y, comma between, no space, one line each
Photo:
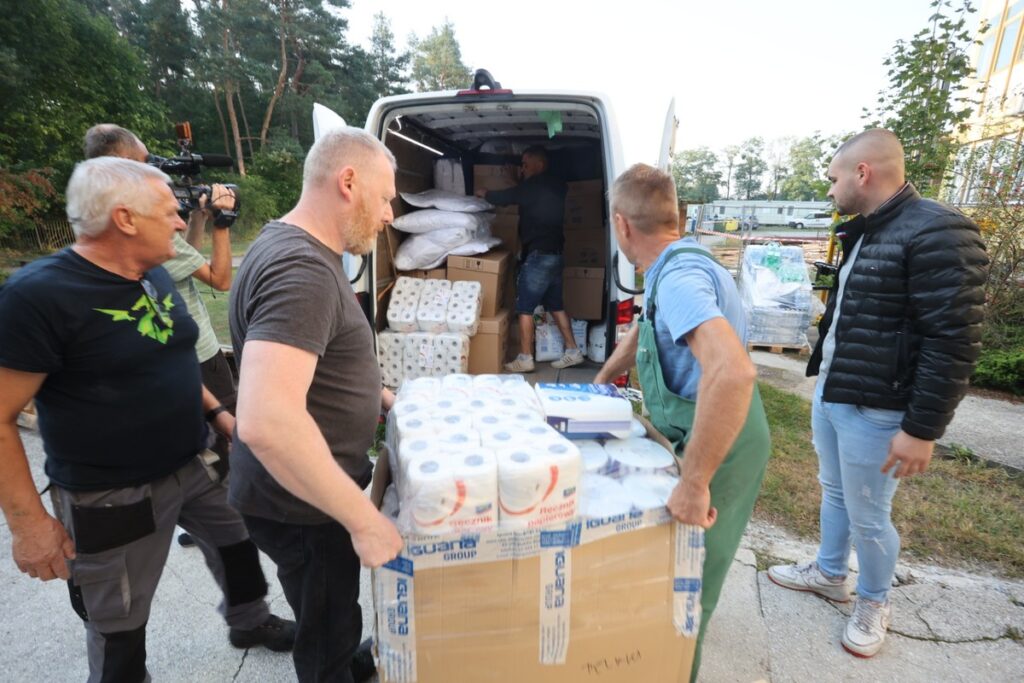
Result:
856,498
540,282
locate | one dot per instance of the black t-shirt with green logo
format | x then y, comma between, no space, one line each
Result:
121,404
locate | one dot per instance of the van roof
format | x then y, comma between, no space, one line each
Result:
470,119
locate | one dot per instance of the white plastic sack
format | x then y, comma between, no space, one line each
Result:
475,246
550,345
429,250
430,220
448,175
446,201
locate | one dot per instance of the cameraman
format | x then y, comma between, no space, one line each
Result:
188,265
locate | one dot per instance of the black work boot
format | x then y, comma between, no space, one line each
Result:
275,634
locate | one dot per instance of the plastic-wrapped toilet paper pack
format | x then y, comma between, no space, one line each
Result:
427,386
454,419
457,384
487,385
601,496
463,314
585,411
540,432
500,438
405,299
432,308
418,356
451,353
649,491
446,495
415,425
595,457
444,406
537,485
389,358
456,440
635,455
483,422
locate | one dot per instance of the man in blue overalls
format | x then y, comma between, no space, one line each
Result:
698,381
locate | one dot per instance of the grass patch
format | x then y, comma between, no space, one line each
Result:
217,306
960,511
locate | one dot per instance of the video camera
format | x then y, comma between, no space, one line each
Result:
188,186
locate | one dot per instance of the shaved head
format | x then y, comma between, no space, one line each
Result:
879,148
866,171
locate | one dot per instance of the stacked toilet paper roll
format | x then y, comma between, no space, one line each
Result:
431,313
448,494
451,353
601,496
594,456
415,425
537,485
404,302
389,358
457,384
487,385
428,386
649,491
635,455
463,314
418,356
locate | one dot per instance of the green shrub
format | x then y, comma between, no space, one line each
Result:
1001,369
25,197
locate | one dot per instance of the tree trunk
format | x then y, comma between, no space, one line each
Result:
300,69
229,98
245,121
282,78
223,126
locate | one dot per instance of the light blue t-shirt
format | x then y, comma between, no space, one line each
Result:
692,290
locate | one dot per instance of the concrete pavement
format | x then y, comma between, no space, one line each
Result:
948,625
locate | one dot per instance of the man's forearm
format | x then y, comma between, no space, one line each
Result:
724,401
290,445
18,496
220,263
196,228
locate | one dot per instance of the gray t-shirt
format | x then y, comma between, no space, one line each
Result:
291,289
828,347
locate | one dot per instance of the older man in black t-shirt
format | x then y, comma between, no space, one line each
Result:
101,339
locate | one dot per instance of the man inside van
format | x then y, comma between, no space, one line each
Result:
541,200
690,343
309,395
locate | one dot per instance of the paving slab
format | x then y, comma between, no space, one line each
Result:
736,642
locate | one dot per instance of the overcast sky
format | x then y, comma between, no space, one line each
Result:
737,68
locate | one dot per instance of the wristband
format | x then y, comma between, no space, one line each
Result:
214,412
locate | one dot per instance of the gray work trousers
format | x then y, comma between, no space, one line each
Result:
122,539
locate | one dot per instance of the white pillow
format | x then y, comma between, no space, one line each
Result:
428,220
446,201
429,250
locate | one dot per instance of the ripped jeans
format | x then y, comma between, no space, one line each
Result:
856,498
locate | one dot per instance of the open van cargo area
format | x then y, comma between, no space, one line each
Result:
479,139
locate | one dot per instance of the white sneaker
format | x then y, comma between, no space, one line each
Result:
568,359
865,631
808,577
522,363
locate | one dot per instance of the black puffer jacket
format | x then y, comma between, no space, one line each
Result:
910,325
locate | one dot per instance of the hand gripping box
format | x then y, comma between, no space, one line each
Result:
614,599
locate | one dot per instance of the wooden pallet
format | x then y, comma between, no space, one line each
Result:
796,350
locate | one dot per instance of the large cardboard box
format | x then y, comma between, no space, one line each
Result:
584,247
614,599
506,228
488,347
583,292
495,176
490,270
432,274
584,205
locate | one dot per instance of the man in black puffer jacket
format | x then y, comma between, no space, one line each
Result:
898,345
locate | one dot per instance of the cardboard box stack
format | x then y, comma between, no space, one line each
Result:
496,177
489,346
586,249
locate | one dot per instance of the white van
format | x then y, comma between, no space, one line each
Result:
491,125
816,219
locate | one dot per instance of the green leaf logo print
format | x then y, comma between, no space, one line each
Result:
153,317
